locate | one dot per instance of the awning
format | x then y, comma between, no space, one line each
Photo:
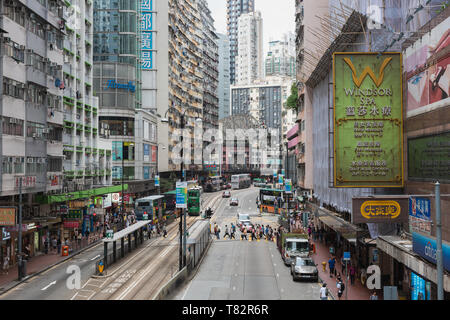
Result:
173,192
80,194
344,228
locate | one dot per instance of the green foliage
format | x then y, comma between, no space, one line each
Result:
291,102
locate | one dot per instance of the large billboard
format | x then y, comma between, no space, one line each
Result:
429,158
368,121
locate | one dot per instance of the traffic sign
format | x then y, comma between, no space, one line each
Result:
346,256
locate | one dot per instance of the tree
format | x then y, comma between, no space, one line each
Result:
291,102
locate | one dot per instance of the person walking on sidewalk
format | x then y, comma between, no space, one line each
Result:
374,296
341,287
324,292
5,264
54,244
331,264
58,245
352,272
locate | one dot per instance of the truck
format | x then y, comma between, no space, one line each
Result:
293,245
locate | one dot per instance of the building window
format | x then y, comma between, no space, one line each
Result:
12,126
13,88
35,130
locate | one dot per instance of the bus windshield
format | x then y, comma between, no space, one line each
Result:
297,246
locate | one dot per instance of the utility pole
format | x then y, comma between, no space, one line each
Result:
182,210
20,262
439,258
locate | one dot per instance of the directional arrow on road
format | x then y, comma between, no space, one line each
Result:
51,284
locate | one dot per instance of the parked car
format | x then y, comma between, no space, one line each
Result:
226,194
228,185
304,268
234,202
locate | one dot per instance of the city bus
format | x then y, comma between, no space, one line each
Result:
271,198
150,208
240,181
213,184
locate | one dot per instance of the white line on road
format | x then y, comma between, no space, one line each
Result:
97,256
278,275
234,288
51,284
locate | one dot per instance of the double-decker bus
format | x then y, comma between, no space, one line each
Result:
150,208
213,184
269,199
240,181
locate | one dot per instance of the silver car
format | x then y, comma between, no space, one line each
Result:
304,268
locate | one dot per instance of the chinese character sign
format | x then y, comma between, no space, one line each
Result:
147,29
368,120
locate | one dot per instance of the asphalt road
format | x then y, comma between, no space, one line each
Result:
244,270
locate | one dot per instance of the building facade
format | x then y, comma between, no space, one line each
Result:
280,59
224,76
235,8
249,59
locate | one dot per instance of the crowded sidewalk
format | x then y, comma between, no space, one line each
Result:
355,291
42,261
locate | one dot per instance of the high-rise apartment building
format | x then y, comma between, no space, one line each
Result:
249,65
122,53
280,59
235,8
224,77
50,141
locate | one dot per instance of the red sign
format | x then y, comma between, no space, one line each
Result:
71,224
27,182
7,216
154,153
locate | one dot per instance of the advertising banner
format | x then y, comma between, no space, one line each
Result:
7,217
429,158
420,215
107,201
156,181
426,247
368,122
154,153
146,152
288,186
370,210
181,196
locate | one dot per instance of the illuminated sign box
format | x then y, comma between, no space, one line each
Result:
368,120
370,210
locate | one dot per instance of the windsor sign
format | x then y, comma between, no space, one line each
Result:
368,123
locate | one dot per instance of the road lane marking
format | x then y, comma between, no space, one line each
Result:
51,284
97,256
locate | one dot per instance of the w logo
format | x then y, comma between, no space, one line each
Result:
368,72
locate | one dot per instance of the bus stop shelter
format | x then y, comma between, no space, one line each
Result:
134,232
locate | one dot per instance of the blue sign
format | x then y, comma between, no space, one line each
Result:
156,181
418,285
346,256
426,247
181,195
420,208
112,84
146,172
147,34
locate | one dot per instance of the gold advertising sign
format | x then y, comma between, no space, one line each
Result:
369,210
7,216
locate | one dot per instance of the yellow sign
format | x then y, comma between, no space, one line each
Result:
376,209
100,268
368,72
7,216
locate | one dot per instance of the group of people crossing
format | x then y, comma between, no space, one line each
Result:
257,232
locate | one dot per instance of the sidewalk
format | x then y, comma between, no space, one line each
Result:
41,262
355,292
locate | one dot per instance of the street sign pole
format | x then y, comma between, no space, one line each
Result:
439,260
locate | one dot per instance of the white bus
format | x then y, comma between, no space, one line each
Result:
240,181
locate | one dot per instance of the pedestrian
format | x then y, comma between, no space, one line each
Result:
341,287
5,264
227,233
164,231
58,244
343,266
244,234
324,292
331,264
352,274
79,239
46,245
54,244
374,296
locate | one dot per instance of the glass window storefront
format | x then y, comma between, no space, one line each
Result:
119,126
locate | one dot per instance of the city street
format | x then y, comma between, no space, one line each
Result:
245,270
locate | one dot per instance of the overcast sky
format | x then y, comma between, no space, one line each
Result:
278,17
